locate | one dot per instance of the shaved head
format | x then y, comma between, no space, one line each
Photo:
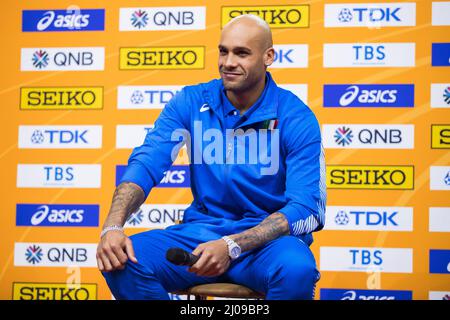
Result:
246,50
261,29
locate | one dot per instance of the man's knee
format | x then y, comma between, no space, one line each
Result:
294,274
124,283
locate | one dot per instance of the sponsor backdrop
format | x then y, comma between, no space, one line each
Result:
82,84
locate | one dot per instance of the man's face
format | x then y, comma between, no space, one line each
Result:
242,57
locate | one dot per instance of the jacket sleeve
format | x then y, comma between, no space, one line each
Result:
148,162
305,175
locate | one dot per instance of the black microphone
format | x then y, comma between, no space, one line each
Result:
181,257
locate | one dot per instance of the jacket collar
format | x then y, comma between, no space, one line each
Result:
266,110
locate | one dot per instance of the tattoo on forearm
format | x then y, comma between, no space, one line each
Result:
127,198
269,229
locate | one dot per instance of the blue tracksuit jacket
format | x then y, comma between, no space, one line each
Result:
234,191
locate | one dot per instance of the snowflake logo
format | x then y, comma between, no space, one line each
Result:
139,19
37,137
137,97
136,218
341,218
40,59
34,254
345,15
447,95
343,136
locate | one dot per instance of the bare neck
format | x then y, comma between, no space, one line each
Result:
245,99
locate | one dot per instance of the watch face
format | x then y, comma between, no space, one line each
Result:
235,252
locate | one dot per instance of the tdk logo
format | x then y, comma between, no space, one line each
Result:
369,218
369,15
356,294
60,137
49,215
63,20
290,56
366,95
145,97
175,177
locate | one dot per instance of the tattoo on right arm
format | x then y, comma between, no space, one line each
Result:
127,199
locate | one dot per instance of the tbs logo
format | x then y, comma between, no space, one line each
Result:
366,257
369,53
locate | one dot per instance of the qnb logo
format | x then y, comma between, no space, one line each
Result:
447,179
343,136
446,95
136,218
69,58
369,53
67,255
345,15
33,254
367,96
174,177
69,21
342,218
40,59
352,295
139,19
56,216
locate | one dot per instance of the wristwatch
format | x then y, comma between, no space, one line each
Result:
234,251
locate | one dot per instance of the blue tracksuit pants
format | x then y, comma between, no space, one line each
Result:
282,269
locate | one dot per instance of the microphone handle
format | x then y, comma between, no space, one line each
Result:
192,259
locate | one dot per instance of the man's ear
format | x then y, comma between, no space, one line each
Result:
269,56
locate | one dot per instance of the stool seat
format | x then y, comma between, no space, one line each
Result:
225,290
